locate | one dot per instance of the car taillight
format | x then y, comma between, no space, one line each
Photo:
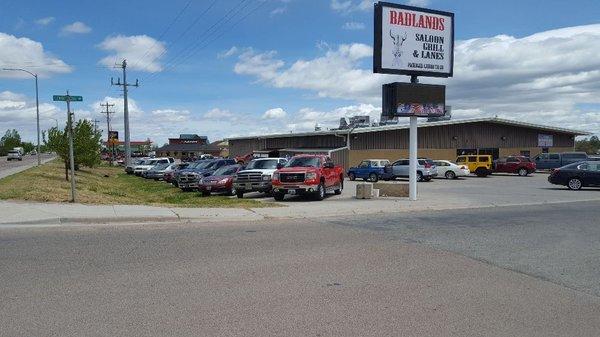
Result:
428,165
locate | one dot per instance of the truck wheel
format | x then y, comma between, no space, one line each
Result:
574,184
278,196
419,176
351,176
338,191
240,195
523,172
450,175
232,191
373,177
320,194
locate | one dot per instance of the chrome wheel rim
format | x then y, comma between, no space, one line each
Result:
575,184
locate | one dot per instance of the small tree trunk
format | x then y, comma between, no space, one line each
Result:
67,171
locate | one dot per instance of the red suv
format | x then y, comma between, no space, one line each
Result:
515,164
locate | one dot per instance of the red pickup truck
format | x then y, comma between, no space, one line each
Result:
515,164
313,175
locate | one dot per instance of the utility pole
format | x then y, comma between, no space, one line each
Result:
125,109
96,125
108,112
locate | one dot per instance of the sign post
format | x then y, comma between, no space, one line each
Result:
416,42
67,98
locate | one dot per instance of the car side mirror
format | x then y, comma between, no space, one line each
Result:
279,166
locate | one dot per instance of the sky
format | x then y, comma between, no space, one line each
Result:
225,68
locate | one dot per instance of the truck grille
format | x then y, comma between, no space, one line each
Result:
251,177
188,178
291,177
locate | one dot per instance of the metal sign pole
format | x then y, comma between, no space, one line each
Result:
412,158
71,156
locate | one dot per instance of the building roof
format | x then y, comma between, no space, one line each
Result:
188,148
426,124
190,136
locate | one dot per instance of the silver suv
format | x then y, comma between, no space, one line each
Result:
14,155
426,169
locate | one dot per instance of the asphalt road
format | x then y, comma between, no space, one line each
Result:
485,272
14,166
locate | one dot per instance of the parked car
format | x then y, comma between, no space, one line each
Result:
426,169
134,163
169,174
150,163
33,153
481,164
189,179
577,175
549,161
450,170
515,164
157,172
14,155
256,176
370,169
313,175
221,181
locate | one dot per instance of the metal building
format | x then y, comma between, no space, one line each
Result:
436,140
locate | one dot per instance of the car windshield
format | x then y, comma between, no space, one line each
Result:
461,159
268,164
304,162
226,170
161,166
13,151
204,164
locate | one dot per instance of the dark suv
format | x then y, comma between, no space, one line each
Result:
189,178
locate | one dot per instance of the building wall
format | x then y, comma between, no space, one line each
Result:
356,156
438,142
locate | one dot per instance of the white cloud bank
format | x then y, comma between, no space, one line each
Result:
539,78
26,53
142,52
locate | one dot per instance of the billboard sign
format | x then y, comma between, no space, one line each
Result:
545,140
413,41
410,99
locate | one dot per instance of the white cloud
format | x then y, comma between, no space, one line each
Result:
17,111
170,116
45,21
23,52
542,78
218,114
418,3
276,113
142,52
353,25
277,11
76,27
227,53
347,6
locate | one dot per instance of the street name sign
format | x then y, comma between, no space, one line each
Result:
64,98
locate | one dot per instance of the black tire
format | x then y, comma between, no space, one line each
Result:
240,195
338,191
450,175
523,172
351,176
232,192
419,176
279,196
205,193
373,177
156,179
320,193
574,184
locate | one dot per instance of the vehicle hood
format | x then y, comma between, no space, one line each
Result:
298,169
264,171
217,178
143,167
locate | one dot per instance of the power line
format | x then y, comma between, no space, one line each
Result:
207,34
164,32
189,27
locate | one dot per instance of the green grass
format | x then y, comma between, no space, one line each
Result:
108,186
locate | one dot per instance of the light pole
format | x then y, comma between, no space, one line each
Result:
37,109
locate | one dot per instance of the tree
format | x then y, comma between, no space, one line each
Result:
589,146
86,145
27,146
9,141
